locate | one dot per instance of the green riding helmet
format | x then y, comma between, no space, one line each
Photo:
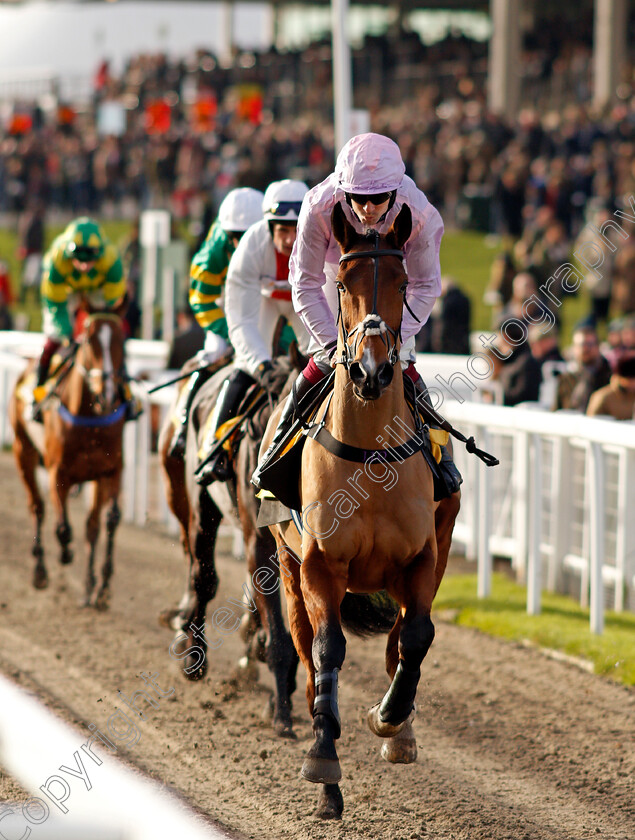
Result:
85,240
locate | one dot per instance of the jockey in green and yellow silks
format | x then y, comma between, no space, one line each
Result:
80,262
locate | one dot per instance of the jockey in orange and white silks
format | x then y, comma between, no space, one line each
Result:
370,183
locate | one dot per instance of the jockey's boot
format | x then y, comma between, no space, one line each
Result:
450,474
33,411
179,438
232,392
301,387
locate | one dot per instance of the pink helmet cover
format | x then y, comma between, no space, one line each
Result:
369,164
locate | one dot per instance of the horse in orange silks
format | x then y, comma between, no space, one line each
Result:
369,519
80,440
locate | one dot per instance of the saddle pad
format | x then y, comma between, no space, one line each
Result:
272,512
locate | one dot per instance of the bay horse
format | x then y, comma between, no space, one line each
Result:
80,440
369,519
199,511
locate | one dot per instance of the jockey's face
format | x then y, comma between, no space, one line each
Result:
283,238
368,213
83,266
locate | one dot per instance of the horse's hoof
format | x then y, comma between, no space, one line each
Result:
402,748
102,602
284,729
247,670
195,673
330,804
268,710
380,727
66,556
40,579
326,771
168,618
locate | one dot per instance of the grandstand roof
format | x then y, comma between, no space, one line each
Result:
406,5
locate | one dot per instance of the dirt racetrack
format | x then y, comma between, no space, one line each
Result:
512,745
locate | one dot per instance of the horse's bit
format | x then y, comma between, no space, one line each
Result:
373,323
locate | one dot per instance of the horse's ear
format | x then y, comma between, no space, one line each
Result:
343,230
401,227
298,360
121,307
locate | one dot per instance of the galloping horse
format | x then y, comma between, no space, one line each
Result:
200,511
370,522
80,441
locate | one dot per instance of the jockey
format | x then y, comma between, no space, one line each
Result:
257,293
81,261
370,182
239,210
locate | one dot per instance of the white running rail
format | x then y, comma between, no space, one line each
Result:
564,513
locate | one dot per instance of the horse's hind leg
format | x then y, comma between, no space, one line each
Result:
113,518
415,590
27,459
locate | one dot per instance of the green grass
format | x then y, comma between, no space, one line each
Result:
562,624
468,255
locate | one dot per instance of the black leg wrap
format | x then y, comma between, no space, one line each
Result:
326,702
64,533
399,700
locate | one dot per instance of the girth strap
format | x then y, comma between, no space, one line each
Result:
354,453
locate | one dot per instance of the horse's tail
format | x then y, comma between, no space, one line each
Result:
368,615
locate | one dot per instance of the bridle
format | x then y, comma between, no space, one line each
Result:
101,382
373,323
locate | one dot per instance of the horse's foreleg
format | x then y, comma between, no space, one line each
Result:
60,488
281,657
201,586
414,591
173,472
27,459
330,802
113,519
402,747
92,535
323,592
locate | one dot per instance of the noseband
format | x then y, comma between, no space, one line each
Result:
373,323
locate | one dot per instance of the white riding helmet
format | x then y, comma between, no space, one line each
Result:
283,200
240,209
369,164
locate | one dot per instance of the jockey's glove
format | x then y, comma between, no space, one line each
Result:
266,376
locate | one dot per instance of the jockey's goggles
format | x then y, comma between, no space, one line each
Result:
283,208
82,253
377,199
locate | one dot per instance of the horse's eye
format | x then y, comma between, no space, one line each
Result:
403,287
340,286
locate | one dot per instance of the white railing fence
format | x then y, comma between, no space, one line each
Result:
560,504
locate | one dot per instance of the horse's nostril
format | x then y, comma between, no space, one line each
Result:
357,373
384,374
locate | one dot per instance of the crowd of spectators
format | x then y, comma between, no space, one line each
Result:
190,130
